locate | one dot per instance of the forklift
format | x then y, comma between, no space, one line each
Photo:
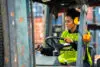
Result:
17,48
83,22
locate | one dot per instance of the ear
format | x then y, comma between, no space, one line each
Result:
76,20
65,17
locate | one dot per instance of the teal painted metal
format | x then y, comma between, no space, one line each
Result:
12,32
22,34
20,37
32,31
32,58
79,62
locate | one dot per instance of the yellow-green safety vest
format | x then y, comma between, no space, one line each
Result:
70,56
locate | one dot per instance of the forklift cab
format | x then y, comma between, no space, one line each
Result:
53,40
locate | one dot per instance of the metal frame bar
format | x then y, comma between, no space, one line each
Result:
79,62
4,14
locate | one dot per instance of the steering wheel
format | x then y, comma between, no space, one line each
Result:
53,42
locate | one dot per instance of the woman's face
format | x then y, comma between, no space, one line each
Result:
69,23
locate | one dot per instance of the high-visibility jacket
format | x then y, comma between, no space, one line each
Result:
69,55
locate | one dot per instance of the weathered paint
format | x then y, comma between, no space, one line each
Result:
17,35
12,33
22,34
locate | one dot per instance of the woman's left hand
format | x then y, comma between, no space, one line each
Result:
68,40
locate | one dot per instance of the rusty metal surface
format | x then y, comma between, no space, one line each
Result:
17,41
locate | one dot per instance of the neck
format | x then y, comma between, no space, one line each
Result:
74,28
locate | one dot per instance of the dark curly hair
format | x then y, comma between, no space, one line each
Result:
72,13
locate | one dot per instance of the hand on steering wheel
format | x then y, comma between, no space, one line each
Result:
68,40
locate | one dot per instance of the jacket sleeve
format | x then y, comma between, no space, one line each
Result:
63,35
